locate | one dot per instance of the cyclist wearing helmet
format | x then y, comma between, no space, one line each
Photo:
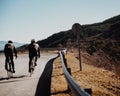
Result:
9,51
34,51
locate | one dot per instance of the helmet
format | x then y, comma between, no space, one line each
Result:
33,41
10,41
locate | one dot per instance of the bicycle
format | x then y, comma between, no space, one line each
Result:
9,68
32,67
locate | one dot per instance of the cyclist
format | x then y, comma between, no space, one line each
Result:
9,51
34,51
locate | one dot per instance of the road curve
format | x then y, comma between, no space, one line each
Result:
22,84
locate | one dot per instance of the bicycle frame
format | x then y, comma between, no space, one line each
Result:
9,66
32,67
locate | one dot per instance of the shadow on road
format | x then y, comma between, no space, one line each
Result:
43,87
11,79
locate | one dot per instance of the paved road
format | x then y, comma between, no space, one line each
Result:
22,84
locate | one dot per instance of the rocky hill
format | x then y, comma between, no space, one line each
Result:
98,38
108,29
101,36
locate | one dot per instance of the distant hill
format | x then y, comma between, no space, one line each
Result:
101,36
108,29
2,44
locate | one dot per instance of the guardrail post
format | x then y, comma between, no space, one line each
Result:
88,90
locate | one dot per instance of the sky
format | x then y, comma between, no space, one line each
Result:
23,20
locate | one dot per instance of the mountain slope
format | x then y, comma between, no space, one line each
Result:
108,29
2,44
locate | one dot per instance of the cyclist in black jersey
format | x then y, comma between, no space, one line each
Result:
9,51
34,51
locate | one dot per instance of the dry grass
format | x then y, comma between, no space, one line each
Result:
101,81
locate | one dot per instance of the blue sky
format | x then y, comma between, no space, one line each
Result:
22,20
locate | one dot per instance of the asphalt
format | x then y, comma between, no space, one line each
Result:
22,84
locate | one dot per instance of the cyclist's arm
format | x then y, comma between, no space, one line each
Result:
15,51
39,51
5,49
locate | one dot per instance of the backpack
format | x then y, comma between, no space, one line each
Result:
36,46
9,49
33,49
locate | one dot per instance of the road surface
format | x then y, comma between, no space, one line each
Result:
22,84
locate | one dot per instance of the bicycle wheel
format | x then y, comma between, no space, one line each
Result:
32,67
9,74
9,67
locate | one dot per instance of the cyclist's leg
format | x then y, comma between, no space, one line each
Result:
9,65
6,62
12,63
35,61
30,62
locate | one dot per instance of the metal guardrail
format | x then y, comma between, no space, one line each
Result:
71,82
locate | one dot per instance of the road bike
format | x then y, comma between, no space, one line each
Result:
32,66
9,68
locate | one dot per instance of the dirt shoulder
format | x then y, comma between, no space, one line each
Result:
101,81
